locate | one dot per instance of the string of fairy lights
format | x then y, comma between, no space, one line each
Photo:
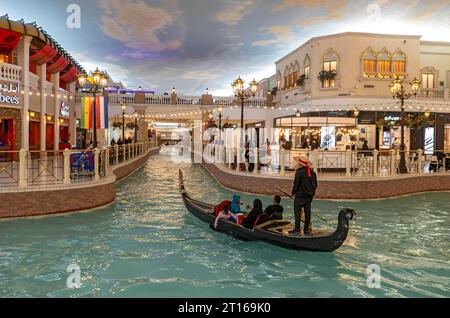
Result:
37,92
411,106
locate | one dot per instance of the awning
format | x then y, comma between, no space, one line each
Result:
58,66
40,56
8,40
70,75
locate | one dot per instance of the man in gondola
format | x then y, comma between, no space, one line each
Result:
304,191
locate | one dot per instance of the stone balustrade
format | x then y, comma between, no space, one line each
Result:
10,73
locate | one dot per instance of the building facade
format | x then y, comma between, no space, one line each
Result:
37,95
328,78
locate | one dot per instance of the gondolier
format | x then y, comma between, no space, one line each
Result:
304,191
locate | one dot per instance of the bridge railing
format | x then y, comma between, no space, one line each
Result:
28,169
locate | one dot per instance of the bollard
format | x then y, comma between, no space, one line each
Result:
348,163
282,155
375,163
96,164
67,167
256,170
393,163
420,161
22,168
316,161
106,161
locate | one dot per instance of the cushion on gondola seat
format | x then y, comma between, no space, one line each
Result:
263,218
240,219
221,206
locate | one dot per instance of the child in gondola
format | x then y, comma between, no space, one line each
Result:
225,214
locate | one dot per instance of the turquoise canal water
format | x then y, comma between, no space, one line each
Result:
147,245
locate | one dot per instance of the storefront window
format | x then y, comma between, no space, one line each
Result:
6,134
4,58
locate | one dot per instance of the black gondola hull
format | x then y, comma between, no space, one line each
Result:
315,243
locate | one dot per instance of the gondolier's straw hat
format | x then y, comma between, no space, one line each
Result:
302,160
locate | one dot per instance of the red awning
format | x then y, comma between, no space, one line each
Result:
8,40
58,66
39,56
49,57
70,75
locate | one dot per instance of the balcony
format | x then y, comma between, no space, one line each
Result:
435,93
10,73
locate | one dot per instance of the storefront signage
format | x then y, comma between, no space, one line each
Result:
429,140
9,88
65,109
392,118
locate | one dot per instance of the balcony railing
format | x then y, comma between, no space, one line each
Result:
435,93
10,73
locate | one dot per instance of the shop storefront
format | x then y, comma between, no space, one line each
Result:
332,131
372,130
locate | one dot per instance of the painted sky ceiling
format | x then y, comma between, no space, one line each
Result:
194,44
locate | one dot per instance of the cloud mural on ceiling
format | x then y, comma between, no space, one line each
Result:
195,44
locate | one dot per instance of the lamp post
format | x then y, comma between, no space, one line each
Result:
220,110
94,87
398,92
135,126
239,92
124,111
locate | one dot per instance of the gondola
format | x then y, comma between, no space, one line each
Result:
273,232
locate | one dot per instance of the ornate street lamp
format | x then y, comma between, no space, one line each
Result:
99,81
124,112
239,92
398,92
220,111
136,115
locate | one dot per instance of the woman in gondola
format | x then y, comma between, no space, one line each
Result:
225,214
249,221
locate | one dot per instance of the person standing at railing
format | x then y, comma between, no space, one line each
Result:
304,191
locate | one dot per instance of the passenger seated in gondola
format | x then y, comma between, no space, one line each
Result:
225,214
275,211
236,204
255,213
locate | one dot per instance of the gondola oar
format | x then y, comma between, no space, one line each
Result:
290,196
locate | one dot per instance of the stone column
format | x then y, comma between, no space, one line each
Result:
375,163
23,52
55,82
42,71
73,115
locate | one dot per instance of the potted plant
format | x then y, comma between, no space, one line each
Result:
301,80
274,91
327,75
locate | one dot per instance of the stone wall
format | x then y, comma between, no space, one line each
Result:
338,189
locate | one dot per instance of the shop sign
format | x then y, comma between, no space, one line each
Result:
392,118
9,88
65,109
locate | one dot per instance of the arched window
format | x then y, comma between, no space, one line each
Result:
369,63
329,69
307,67
399,61
295,69
279,80
384,64
287,73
